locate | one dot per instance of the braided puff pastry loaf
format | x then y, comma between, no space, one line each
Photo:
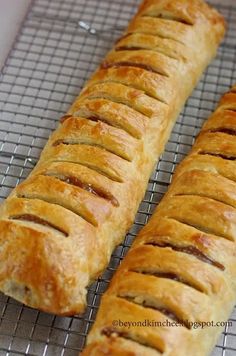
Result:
59,227
181,267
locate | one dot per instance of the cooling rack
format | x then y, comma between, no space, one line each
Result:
54,53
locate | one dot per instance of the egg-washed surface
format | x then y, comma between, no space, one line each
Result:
60,226
181,267
53,105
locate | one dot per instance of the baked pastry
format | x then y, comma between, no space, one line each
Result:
59,227
181,267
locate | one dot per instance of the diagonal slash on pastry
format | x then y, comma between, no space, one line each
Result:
59,227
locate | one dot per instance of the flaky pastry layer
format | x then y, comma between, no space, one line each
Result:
59,227
181,268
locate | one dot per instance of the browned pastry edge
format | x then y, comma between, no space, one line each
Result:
181,266
59,227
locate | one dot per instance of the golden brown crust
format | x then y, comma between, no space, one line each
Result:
84,193
115,114
182,264
166,46
152,84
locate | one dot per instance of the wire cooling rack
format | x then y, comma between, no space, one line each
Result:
46,68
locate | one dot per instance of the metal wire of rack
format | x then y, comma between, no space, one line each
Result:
46,68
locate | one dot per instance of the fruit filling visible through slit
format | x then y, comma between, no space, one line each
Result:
36,220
